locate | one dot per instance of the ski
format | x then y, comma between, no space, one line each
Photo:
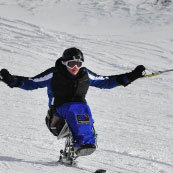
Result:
157,73
100,171
75,166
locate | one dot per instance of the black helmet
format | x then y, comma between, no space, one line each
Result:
72,54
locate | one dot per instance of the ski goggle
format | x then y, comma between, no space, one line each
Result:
72,63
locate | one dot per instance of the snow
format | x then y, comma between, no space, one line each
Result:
134,124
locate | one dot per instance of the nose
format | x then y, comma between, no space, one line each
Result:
75,67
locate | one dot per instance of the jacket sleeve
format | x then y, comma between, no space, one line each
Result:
30,83
108,82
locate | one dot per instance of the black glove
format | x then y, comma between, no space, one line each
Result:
7,77
136,73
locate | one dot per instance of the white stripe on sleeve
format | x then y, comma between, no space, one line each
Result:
92,77
42,79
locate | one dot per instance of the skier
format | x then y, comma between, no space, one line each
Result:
67,85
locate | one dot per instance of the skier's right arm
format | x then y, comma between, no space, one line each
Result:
7,78
26,83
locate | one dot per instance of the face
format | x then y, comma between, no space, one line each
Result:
73,66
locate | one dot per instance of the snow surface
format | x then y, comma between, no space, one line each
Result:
134,124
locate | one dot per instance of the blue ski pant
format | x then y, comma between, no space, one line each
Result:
79,119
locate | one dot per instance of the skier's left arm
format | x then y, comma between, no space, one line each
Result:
108,82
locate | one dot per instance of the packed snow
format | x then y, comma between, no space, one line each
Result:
134,123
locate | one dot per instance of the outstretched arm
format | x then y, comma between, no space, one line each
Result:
26,83
108,82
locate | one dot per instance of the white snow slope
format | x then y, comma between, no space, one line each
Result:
134,123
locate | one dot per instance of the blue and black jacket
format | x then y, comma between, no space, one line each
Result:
62,87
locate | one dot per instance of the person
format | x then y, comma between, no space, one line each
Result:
67,85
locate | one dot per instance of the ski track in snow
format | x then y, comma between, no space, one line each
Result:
143,11
133,138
